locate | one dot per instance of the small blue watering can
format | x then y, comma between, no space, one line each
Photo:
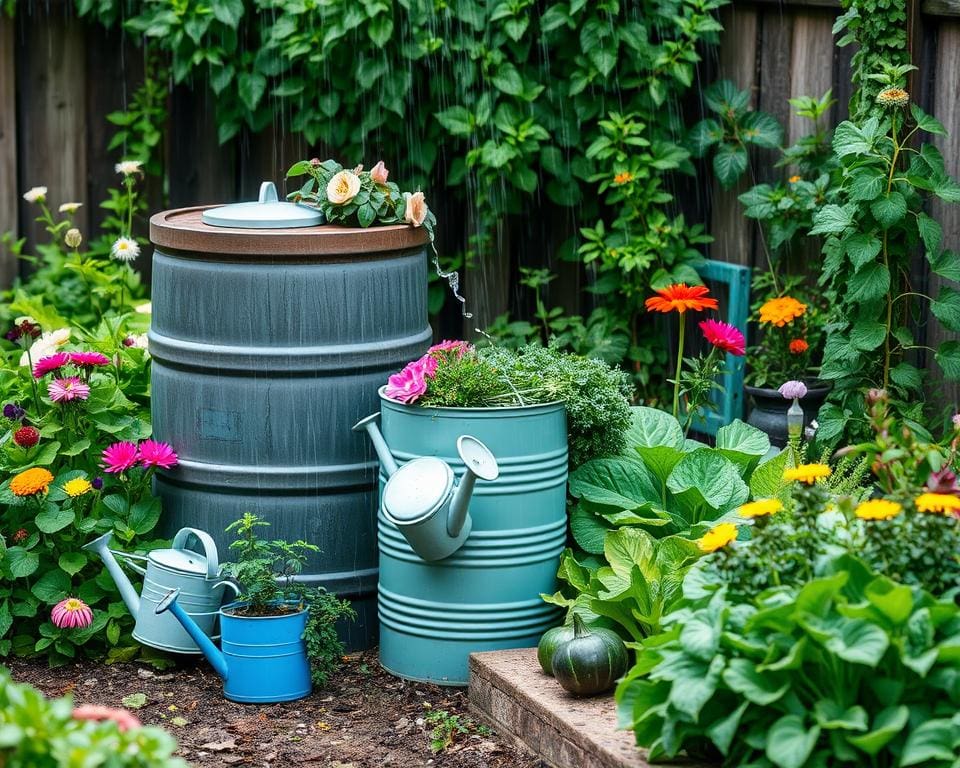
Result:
421,497
264,658
195,575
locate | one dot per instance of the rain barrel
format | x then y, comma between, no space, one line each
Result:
267,346
486,596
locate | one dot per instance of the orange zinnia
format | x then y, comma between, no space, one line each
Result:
680,298
623,178
781,311
799,346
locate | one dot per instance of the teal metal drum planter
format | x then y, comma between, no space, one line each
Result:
268,344
486,595
263,658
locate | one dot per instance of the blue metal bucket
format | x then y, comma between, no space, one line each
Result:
486,596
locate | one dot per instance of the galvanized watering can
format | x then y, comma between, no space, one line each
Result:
264,658
196,575
421,497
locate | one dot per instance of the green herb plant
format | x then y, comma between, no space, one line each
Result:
871,231
448,727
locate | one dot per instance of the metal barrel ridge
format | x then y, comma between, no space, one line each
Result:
267,346
486,596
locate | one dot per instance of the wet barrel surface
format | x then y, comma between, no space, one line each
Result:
267,346
486,596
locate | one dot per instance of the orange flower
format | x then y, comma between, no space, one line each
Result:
31,481
799,346
680,298
794,179
624,177
781,311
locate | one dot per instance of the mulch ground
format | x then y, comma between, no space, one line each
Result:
364,719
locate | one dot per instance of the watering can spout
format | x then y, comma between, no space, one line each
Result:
479,462
369,425
213,654
101,546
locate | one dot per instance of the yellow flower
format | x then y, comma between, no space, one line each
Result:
760,508
31,481
938,502
807,473
878,509
717,537
624,177
781,311
77,487
795,179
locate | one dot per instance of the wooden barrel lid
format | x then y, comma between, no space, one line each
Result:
182,230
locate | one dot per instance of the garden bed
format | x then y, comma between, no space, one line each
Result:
364,718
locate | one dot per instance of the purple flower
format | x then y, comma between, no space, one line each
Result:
13,412
793,390
97,483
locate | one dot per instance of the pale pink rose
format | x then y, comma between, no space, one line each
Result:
379,173
416,211
343,187
408,385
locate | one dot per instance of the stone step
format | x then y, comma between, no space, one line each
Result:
509,691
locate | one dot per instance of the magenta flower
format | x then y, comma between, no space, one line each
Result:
459,347
89,359
724,336
71,613
65,390
155,454
408,385
793,390
50,363
120,457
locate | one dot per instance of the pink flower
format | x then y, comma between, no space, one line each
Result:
379,173
96,712
956,420
120,457
408,385
71,613
415,209
459,347
89,359
793,390
45,365
724,336
65,390
155,454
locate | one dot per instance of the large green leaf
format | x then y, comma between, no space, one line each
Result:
743,444
858,641
767,481
615,482
21,562
53,519
589,530
52,586
706,484
946,308
657,437
763,688
932,741
790,742
628,547
886,726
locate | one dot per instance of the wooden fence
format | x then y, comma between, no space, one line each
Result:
59,77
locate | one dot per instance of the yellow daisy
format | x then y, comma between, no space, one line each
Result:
760,508
807,473
878,509
717,537
937,502
77,487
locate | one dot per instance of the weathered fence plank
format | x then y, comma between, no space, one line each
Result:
8,145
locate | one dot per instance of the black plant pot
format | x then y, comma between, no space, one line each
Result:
769,410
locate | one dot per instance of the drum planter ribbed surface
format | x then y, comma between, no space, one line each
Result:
267,346
485,596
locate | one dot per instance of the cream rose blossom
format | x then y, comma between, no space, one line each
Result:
343,187
46,345
416,210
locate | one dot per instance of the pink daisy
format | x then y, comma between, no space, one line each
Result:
155,454
71,613
45,365
89,359
120,457
723,336
65,390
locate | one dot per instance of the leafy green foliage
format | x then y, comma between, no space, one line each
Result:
38,733
871,232
735,128
593,393
448,727
848,668
324,648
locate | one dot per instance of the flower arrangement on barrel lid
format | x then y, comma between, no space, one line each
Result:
456,374
694,385
358,197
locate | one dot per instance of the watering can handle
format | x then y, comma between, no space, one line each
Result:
209,548
228,583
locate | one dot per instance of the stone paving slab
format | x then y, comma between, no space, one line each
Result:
510,692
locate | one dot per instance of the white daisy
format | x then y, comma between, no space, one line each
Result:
125,249
36,195
70,207
128,167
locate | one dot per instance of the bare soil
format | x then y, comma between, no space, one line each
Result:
364,719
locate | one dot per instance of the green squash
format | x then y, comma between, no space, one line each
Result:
551,640
591,662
